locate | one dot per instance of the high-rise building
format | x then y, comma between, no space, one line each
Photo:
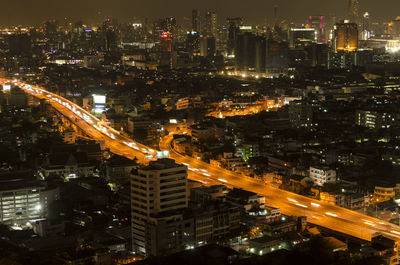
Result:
233,31
250,53
195,20
211,24
158,201
353,11
277,56
346,37
302,37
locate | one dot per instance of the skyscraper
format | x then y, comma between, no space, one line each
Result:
317,23
353,11
210,24
250,53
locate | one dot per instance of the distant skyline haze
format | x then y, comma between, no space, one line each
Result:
27,12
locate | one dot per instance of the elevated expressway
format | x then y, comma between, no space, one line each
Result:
322,214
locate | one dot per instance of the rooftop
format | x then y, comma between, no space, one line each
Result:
163,163
19,180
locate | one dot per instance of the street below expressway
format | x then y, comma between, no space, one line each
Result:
322,214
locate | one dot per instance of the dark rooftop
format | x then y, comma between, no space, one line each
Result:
18,180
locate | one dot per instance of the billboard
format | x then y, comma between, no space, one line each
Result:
99,99
99,102
162,154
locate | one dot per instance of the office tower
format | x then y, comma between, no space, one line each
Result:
250,53
195,20
233,31
158,200
353,11
317,23
346,37
210,24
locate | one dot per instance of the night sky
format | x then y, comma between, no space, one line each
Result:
34,11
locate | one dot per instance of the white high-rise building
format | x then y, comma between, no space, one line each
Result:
158,201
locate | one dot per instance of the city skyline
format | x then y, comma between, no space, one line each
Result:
254,11
198,132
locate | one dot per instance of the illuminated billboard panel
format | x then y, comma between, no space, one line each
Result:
99,99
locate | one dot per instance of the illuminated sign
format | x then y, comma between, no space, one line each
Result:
302,29
245,27
162,154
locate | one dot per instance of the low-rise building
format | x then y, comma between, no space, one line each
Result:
384,247
322,175
118,169
232,163
215,221
45,228
386,192
355,201
375,119
244,199
257,217
68,165
202,195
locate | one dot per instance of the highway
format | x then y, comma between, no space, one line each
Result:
323,214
